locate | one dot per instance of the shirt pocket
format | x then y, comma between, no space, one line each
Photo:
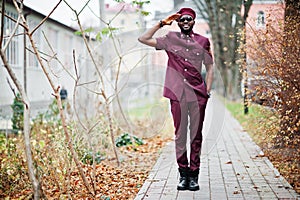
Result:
197,57
177,52
197,54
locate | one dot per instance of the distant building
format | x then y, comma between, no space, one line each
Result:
137,78
263,12
25,65
123,16
262,16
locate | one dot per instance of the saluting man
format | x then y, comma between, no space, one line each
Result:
185,87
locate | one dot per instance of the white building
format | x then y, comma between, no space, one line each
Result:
137,78
63,41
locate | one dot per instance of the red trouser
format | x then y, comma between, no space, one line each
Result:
181,111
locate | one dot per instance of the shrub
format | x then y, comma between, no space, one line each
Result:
18,113
126,139
89,157
273,53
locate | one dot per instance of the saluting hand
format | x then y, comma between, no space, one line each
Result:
170,19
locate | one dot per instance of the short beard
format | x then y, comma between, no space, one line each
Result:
186,32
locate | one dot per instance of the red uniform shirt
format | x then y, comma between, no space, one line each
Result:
186,55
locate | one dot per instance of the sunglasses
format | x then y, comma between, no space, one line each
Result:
183,19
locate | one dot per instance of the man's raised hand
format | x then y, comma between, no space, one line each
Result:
170,19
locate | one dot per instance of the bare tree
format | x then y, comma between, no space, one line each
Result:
274,52
226,21
290,75
21,21
31,170
105,98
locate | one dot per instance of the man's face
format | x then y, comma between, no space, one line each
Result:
186,23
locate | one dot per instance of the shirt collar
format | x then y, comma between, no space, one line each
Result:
191,34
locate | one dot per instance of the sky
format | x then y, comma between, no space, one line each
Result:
88,17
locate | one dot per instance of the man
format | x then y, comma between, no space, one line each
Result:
184,86
63,93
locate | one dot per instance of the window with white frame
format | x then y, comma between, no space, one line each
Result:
51,46
260,22
12,51
67,50
32,60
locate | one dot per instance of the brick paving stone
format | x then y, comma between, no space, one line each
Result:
168,196
185,195
232,166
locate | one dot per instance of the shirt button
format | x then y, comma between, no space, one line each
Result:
185,59
188,41
184,80
187,49
185,69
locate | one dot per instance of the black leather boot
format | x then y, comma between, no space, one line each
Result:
193,180
183,180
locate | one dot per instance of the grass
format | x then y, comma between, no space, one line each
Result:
146,108
237,110
262,124
151,118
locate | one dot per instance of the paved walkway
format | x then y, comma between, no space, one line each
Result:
232,166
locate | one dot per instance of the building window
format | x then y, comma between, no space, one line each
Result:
122,21
52,37
260,19
52,47
67,50
32,60
12,51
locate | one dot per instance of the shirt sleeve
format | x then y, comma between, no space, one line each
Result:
162,42
208,58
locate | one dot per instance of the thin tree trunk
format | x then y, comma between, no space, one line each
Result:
31,171
37,192
220,16
56,94
62,116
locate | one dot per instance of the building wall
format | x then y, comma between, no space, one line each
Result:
63,41
263,12
6,95
138,78
264,17
123,16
